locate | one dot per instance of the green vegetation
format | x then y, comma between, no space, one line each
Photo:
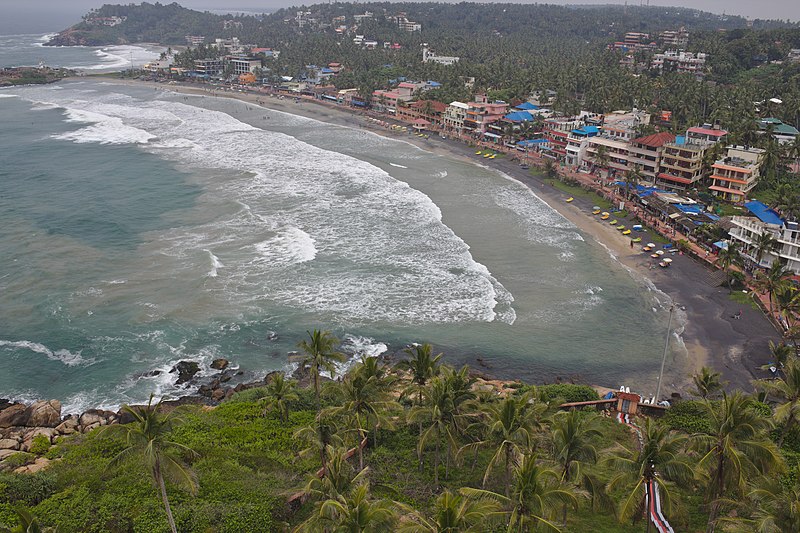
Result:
421,448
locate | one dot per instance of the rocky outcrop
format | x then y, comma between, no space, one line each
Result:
44,414
186,371
220,364
13,415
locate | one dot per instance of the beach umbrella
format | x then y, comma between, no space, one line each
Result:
595,208
660,252
651,245
668,260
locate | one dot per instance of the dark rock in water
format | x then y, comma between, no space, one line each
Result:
5,403
240,372
153,373
186,371
225,378
220,364
205,390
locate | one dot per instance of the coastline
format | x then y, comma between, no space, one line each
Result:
703,322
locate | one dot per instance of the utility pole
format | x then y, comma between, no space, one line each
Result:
664,357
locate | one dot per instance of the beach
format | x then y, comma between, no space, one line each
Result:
712,336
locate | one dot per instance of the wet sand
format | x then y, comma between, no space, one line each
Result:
703,322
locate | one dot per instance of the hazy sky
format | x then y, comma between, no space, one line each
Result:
31,16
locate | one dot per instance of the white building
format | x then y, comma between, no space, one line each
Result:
428,55
746,230
454,116
678,61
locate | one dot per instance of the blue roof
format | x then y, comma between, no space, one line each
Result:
532,142
680,139
434,83
589,131
526,106
763,212
519,116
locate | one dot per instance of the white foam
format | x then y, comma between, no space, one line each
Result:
290,245
103,129
63,356
396,165
4,95
215,264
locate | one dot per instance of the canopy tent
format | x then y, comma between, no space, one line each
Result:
420,124
526,106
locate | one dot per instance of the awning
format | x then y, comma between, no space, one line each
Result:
722,245
673,216
670,177
493,135
727,190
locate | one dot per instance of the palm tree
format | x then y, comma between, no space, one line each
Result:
320,355
632,179
660,459
363,403
28,524
707,382
454,513
511,425
774,281
278,392
536,495
320,438
781,353
765,243
355,512
728,258
422,366
573,433
602,158
437,413
147,438
787,390
771,507
736,446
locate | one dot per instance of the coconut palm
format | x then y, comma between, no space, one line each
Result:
455,513
319,438
787,391
573,433
660,459
735,447
355,512
781,353
770,507
707,382
728,258
774,281
320,356
765,243
277,395
511,426
364,404
632,178
536,496
422,366
602,158
26,523
437,413
147,439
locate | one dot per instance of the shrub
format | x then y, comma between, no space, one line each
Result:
26,489
567,392
40,445
18,459
689,416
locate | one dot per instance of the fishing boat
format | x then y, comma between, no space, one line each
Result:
478,153
596,212
604,216
626,232
637,239
613,222
570,199
621,227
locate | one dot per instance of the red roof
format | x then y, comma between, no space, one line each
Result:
407,85
670,177
655,140
707,131
437,107
421,122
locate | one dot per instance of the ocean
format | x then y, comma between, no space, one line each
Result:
142,227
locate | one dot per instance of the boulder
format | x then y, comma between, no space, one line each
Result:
44,413
12,416
27,440
96,417
220,364
39,464
9,444
7,453
4,402
186,371
217,394
68,426
224,378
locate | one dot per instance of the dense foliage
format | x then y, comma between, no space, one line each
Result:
442,451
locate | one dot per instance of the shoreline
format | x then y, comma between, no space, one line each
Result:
709,335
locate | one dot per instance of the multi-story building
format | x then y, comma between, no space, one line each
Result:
737,173
747,229
623,125
678,61
482,112
208,67
406,25
195,40
454,116
675,39
645,153
783,133
616,154
243,64
429,56
681,165
557,131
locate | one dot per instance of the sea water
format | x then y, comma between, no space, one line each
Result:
141,227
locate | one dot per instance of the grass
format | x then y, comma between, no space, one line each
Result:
744,299
577,191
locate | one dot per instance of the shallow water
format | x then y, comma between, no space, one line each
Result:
143,227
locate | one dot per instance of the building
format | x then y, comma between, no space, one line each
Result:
681,165
429,110
406,25
783,133
645,153
746,230
793,56
481,113
105,21
737,173
679,61
195,40
578,142
428,55
616,154
675,39
454,116
242,64
623,125
208,67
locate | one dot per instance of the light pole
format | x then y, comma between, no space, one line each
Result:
664,357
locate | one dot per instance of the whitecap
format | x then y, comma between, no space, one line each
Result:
103,129
291,245
396,165
215,264
62,355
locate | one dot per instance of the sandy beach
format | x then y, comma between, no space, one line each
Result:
704,321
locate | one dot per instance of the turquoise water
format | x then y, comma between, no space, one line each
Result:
143,227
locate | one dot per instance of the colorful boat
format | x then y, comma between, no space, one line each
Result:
626,232
613,222
596,212
570,199
637,239
621,227
604,217
478,153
